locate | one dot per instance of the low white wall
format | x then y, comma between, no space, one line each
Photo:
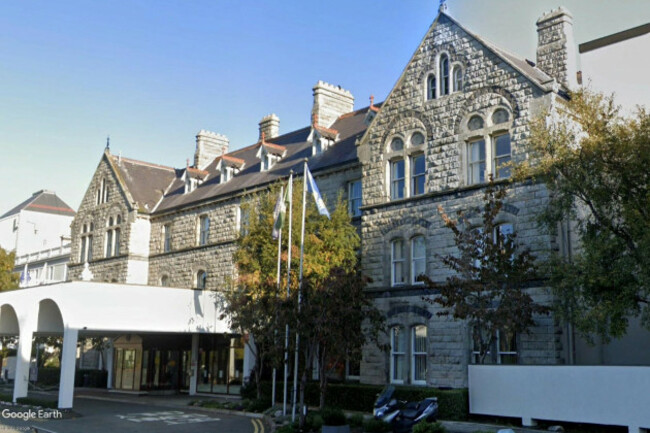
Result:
591,394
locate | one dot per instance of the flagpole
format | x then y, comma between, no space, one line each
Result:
273,393
286,336
302,249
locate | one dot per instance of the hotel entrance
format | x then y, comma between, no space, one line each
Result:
221,364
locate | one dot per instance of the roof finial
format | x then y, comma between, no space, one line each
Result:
372,101
108,143
443,6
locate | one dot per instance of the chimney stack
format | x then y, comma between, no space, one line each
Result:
556,49
209,145
330,102
269,126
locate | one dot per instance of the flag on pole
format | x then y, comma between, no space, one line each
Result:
311,186
279,214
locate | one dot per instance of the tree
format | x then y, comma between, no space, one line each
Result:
335,317
595,164
491,274
8,278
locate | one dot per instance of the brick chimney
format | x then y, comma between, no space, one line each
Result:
209,145
556,49
330,102
270,126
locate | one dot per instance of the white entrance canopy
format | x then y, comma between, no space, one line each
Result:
82,307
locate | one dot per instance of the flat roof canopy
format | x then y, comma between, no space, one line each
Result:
108,307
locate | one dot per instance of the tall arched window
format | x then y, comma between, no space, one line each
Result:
87,242
113,232
431,86
164,281
444,75
418,259
201,279
457,76
489,149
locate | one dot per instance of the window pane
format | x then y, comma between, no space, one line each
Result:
420,339
502,145
109,242
418,259
397,259
418,177
417,139
116,242
458,79
500,116
397,179
431,87
502,155
397,144
476,122
444,75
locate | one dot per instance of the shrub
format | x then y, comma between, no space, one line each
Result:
91,378
6,397
48,376
376,426
425,427
53,404
285,429
313,421
333,416
259,405
355,420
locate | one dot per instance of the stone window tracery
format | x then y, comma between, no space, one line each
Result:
488,148
406,170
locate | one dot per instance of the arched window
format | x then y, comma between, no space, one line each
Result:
113,231
431,87
397,354
444,75
489,149
164,281
396,144
419,355
457,76
201,279
86,254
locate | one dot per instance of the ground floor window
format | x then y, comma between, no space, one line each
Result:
221,364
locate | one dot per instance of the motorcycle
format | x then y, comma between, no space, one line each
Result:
404,415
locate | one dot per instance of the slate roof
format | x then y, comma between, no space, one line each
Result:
145,182
350,127
536,75
43,201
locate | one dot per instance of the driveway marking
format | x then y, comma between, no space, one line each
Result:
169,417
258,426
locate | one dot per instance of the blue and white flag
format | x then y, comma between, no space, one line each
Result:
311,186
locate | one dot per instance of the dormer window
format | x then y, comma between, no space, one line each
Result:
318,147
229,166
269,154
193,178
190,184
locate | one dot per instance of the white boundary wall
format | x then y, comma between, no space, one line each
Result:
609,395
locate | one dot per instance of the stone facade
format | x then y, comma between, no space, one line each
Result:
504,93
488,84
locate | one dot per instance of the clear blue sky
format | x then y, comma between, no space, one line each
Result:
152,73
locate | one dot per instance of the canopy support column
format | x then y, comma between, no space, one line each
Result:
68,358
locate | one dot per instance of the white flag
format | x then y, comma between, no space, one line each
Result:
279,214
311,186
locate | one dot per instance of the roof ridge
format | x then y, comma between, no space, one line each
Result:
149,164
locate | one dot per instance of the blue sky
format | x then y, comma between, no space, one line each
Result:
152,73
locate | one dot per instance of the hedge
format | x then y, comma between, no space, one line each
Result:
453,404
50,376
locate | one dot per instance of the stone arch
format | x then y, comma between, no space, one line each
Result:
470,103
406,121
8,320
50,319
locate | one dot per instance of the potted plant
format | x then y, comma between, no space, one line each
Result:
334,421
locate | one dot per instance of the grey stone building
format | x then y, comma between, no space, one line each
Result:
460,109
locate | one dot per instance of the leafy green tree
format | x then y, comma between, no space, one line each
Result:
595,164
335,317
8,278
491,273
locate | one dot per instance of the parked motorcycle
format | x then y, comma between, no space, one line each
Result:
404,415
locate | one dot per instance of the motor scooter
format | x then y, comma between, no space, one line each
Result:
404,415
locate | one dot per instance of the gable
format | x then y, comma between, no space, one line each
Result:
483,65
